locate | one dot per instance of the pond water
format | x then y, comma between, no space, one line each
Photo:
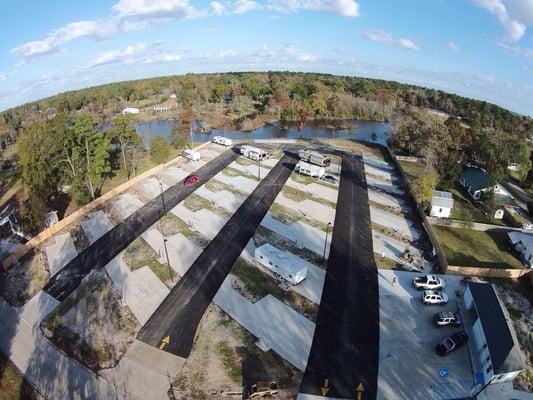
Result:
313,129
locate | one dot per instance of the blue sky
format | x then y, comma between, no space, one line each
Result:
477,48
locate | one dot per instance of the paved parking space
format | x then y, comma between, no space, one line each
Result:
203,221
227,200
96,225
240,183
396,222
373,161
60,252
383,173
388,200
384,185
316,189
174,174
311,287
126,204
308,208
150,188
393,249
408,365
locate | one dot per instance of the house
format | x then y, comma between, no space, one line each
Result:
476,181
441,204
513,167
522,243
494,349
130,110
282,264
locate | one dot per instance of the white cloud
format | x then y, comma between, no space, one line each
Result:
139,53
119,56
514,15
517,51
161,58
452,46
347,8
217,8
3,77
155,9
244,6
379,36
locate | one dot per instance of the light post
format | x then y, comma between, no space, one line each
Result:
259,168
326,242
163,234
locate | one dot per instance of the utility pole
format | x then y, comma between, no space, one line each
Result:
162,233
190,130
326,242
259,168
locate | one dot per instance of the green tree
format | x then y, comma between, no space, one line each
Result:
159,150
125,136
177,139
424,187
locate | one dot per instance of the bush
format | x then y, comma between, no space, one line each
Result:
159,150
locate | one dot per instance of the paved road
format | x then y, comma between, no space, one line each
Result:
101,252
345,346
180,313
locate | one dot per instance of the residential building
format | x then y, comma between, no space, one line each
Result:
494,348
441,204
282,264
476,181
522,243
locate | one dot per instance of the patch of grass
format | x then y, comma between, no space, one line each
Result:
464,210
295,194
256,281
413,170
196,203
385,262
139,253
289,216
170,225
235,172
470,248
514,313
13,386
230,361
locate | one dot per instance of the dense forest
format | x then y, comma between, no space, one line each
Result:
60,145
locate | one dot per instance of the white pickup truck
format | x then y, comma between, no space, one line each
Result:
428,282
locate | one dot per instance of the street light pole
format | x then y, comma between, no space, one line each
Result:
162,233
259,168
326,242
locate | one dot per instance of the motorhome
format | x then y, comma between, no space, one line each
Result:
282,264
314,157
311,170
254,153
191,155
222,140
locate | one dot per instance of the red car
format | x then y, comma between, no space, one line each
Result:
191,180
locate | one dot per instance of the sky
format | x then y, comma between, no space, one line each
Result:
476,48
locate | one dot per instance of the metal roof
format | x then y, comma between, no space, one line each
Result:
497,334
442,199
475,177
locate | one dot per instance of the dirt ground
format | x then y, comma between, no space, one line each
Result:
518,299
224,358
19,283
91,325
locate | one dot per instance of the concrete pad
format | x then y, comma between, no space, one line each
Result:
141,290
315,189
270,163
308,208
227,200
240,183
150,188
182,252
264,318
388,200
207,154
174,174
311,287
400,224
376,162
145,370
192,166
384,185
334,169
96,225
126,204
60,252
203,221
382,173
300,233
251,170
407,338
39,306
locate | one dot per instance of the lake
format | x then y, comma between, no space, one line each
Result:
312,129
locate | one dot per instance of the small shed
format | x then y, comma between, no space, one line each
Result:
282,263
441,204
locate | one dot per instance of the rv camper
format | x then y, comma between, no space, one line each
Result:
311,170
222,141
282,264
191,155
313,157
253,153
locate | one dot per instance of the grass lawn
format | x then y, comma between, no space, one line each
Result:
413,169
469,248
464,210
12,383
139,254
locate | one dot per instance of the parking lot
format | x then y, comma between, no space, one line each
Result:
408,365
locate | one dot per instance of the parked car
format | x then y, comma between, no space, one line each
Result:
330,179
428,282
191,180
431,297
451,343
446,318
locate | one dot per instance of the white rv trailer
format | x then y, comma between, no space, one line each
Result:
311,170
282,263
222,140
253,153
191,155
314,157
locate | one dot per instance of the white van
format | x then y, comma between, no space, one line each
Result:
222,141
191,155
311,170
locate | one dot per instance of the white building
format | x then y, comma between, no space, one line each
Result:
441,204
309,169
523,244
494,349
130,110
282,263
